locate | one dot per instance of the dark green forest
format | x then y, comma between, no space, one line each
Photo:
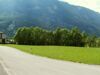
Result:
58,37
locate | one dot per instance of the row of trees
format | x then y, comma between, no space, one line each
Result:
60,37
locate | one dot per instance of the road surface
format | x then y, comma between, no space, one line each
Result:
16,62
2,71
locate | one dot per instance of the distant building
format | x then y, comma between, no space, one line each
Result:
2,38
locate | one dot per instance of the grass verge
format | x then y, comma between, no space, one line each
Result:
75,54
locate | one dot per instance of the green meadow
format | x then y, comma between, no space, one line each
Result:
74,54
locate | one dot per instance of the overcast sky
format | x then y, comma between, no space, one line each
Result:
92,4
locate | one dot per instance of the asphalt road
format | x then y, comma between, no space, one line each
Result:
2,70
19,63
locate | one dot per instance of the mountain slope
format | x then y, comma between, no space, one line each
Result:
48,14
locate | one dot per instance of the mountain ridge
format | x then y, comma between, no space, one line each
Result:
48,14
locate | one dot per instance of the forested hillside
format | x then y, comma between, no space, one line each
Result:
48,14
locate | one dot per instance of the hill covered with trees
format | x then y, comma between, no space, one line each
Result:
47,14
59,37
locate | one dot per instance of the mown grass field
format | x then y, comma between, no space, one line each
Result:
75,54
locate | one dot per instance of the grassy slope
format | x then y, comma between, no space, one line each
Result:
76,54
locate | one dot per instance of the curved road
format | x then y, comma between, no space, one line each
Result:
16,62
